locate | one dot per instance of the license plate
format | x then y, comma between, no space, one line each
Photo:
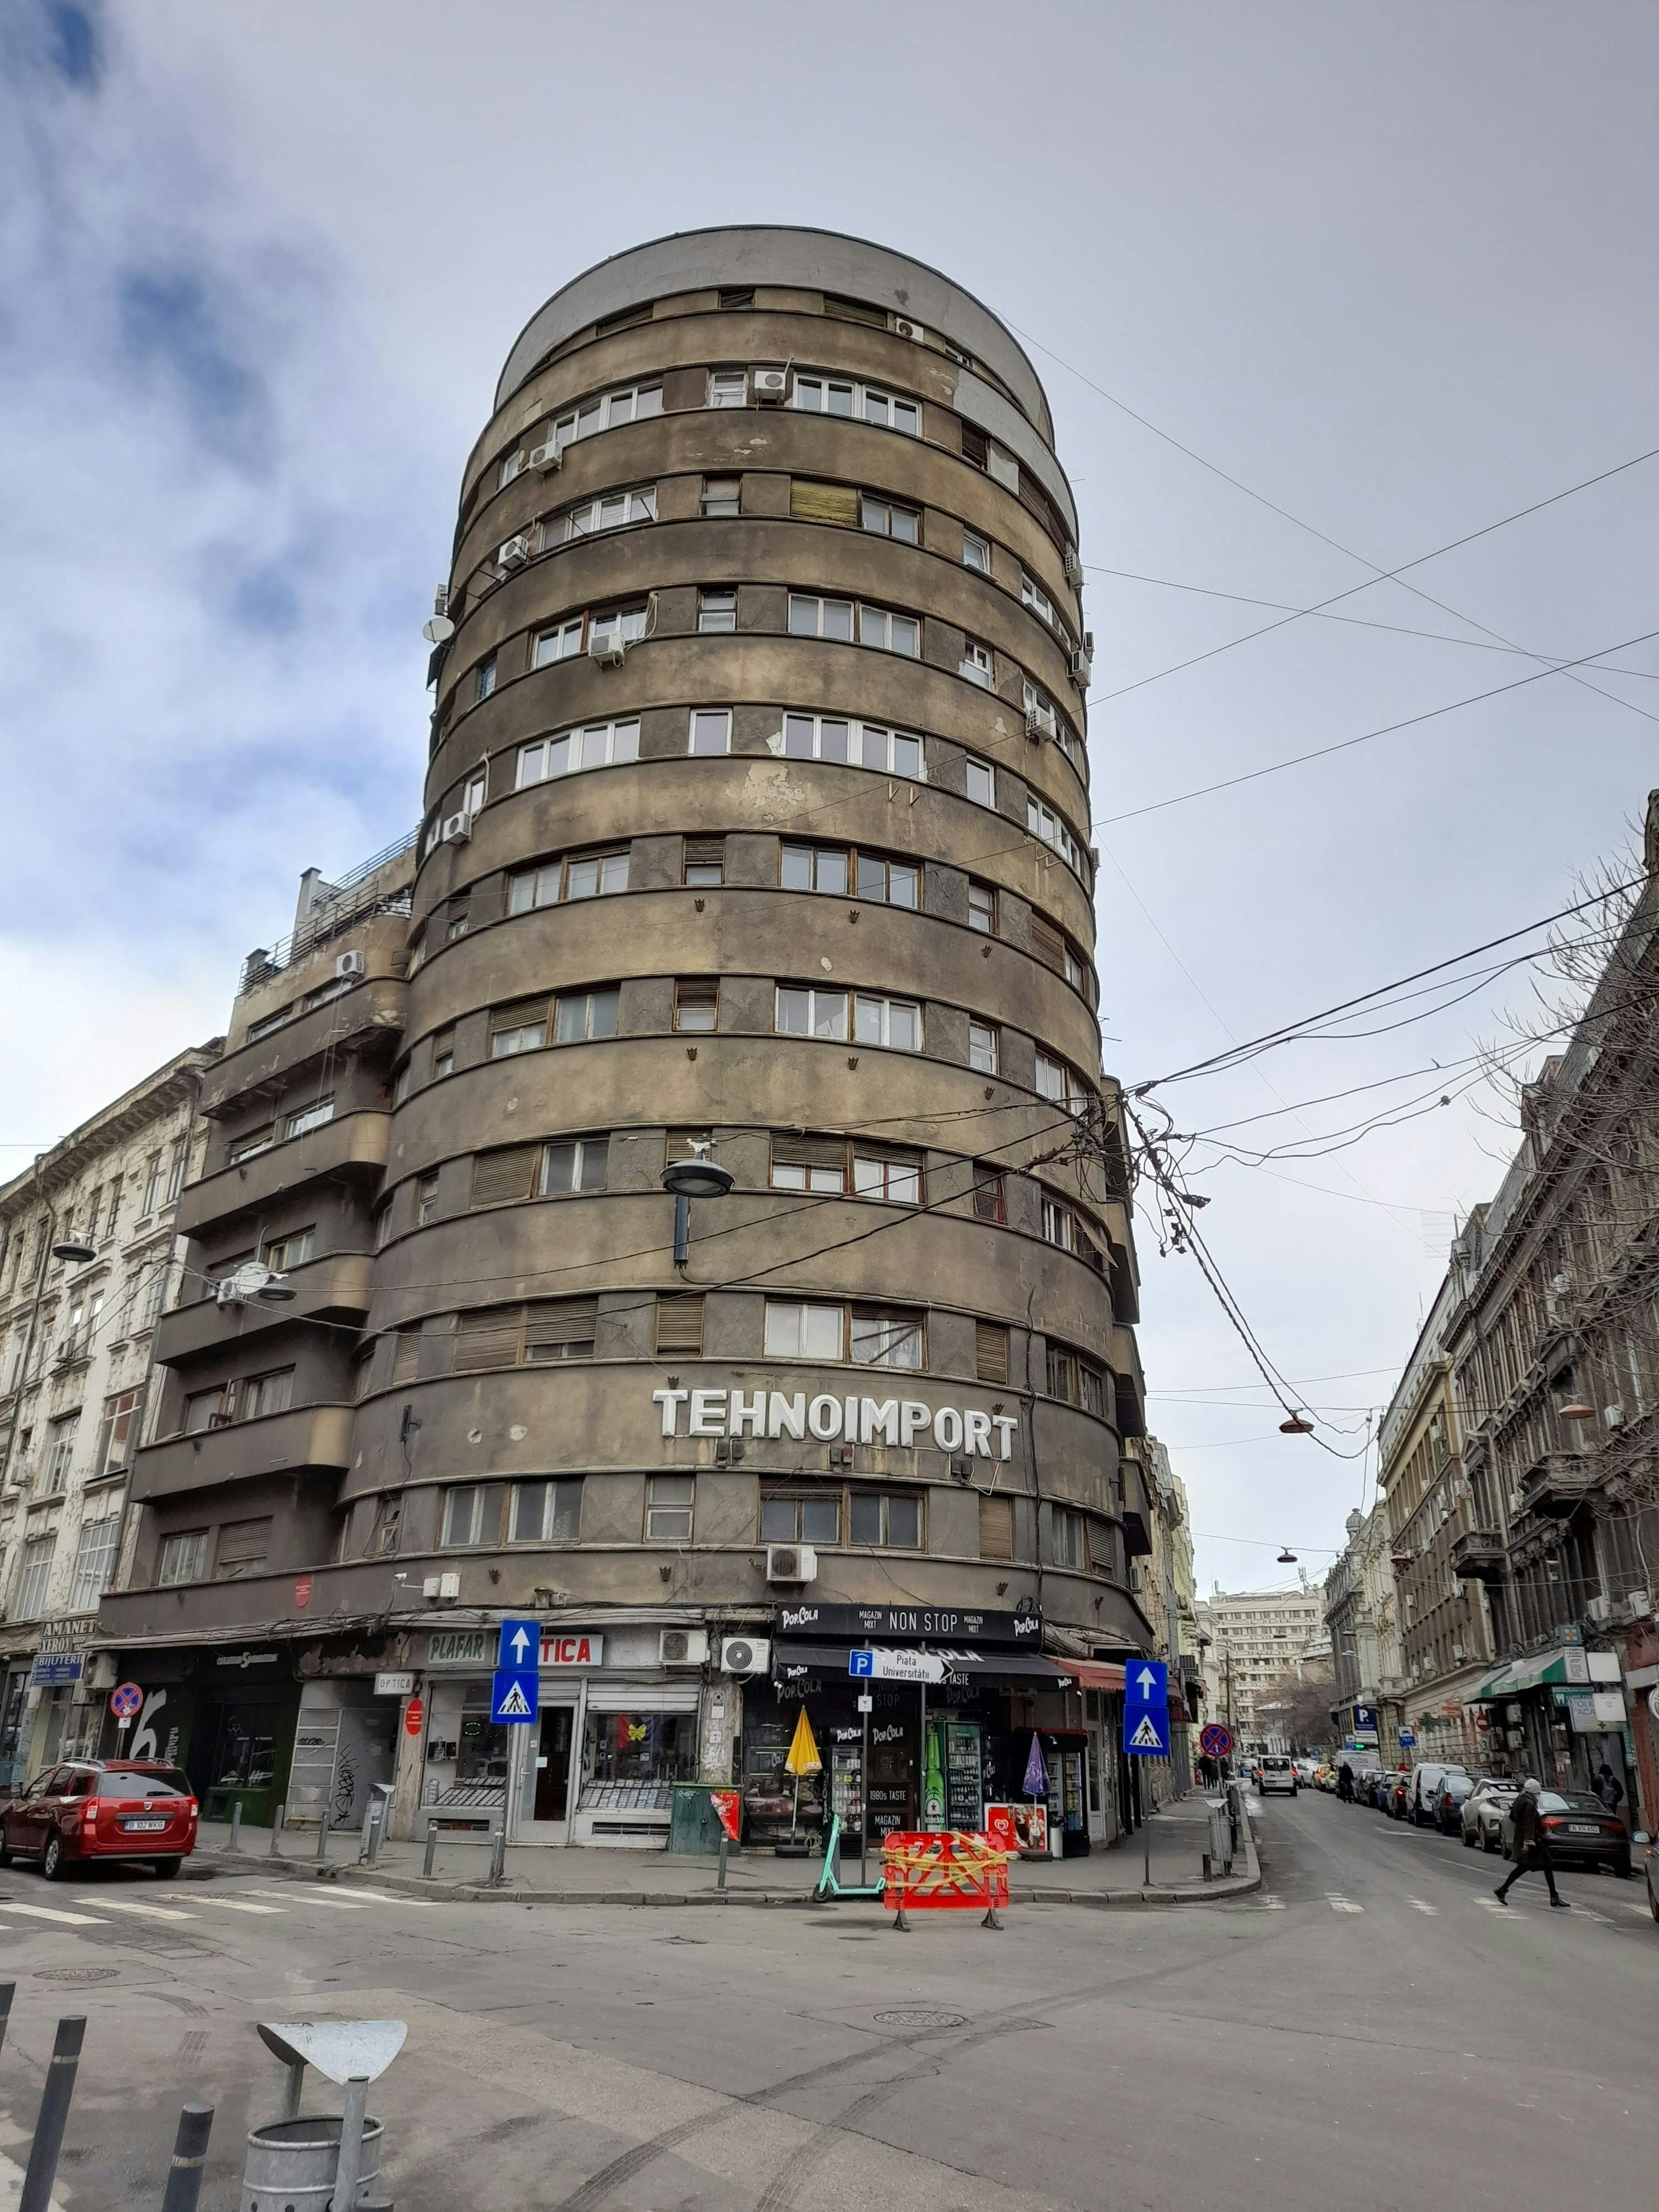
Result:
1581,1828
144,1827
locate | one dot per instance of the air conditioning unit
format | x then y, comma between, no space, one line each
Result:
1639,1604
1037,728
607,651
1515,1501
1073,567
683,1647
744,1654
1457,1651
791,1563
66,1351
1082,661
457,829
348,963
770,386
904,328
546,458
514,553
1598,1609
1134,1574
441,1586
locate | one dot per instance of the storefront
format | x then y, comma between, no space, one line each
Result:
1559,1715
228,1717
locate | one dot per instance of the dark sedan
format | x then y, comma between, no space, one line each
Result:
1455,1789
1579,1831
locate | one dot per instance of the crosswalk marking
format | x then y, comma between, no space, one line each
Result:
1418,1904
1496,1905
236,1904
1642,1911
49,1913
1338,1903
132,1905
386,1897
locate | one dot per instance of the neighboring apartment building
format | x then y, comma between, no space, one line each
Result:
753,861
1257,1637
75,1336
1169,1597
1362,1618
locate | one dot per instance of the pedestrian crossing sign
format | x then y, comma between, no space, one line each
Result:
514,1698
1147,1731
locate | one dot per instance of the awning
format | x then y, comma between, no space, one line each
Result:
1095,1674
1027,1668
1543,1670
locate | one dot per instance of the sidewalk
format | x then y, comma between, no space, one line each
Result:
1178,1838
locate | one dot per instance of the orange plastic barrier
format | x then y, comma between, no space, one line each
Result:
953,1869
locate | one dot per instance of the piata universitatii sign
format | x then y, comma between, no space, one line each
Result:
853,1420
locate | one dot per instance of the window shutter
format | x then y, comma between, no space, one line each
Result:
243,1545
996,1527
854,311
705,852
406,1359
1049,944
517,1017
990,1352
792,1151
498,1177
975,446
488,1338
679,1324
561,1329
824,502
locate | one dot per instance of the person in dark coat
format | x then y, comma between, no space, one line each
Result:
1532,1849
1345,1783
1609,1789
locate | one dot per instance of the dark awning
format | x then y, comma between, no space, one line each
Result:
1029,1668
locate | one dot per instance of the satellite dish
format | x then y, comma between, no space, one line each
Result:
437,629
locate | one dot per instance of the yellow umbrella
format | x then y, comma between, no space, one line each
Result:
803,1760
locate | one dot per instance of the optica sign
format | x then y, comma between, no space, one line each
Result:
571,1651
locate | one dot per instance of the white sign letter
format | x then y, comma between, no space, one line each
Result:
787,1417
670,1401
748,1415
1005,1424
947,1429
881,1420
977,1434
914,1417
707,1413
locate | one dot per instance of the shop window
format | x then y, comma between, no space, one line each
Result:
630,1761
548,1512
808,1519
669,1501
990,1352
890,1520
472,1514
996,1527
679,1324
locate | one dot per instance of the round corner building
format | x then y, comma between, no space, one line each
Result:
754,1284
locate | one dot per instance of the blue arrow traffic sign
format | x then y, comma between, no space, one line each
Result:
1146,1682
861,1662
520,1647
514,1699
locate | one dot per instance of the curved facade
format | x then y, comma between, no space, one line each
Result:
756,823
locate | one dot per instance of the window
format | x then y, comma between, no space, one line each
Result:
679,1324
114,1207
888,632
517,1028
308,1117
596,875
547,1512
824,502
979,664
94,1553
804,1331
1043,821
615,627
610,511
584,1015
267,1393
721,496
702,861
176,1168
826,395
184,1558
572,1165
975,552
809,1520
509,468
472,1514
632,404
1056,1081
811,1164
547,1330
883,519
879,1172
814,868
981,781
406,1354
426,1200
895,1022
698,1003
60,1452
890,1520
982,908
738,296
996,1527
711,731
1032,595
990,1352
728,387
811,1013
1040,708
668,1507
819,618
563,642
1061,1226
153,1182
885,1338
533,887
889,882
443,1054
1068,1538
717,613
244,1549
483,678
854,311
990,1200
246,1148
600,745
863,745
975,447
292,1250
118,1432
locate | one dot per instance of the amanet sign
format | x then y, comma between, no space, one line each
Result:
853,1420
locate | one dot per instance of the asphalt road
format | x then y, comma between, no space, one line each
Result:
1369,2031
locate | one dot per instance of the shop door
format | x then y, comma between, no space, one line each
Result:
550,1801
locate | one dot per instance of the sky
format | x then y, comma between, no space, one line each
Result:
1315,291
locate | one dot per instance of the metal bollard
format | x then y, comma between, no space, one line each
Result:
431,1859
497,1857
54,2113
277,1821
376,1830
720,1879
322,1835
184,2189
7,1991
235,1843
348,2171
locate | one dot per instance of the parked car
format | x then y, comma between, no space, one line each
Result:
1650,1874
1324,1777
1579,1830
110,1808
1395,1787
1456,1788
1423,1787
1481,1813
1276,1772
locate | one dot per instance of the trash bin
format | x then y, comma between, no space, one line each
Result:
291,2164
693,1823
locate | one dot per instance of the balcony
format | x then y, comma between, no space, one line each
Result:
275,1444
1477,1556
333,1289
1556,1348
345,1023
1558,1483
355,1142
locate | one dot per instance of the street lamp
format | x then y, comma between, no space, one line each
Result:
74,1249
696,1177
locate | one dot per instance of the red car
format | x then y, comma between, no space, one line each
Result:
104,1809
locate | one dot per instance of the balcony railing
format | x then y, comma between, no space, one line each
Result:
353,899
1558,1483
1478,1556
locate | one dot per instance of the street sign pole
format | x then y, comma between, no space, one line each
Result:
865,1703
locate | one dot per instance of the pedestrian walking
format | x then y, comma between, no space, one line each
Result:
1345,1783
1532,1849
1609,1789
